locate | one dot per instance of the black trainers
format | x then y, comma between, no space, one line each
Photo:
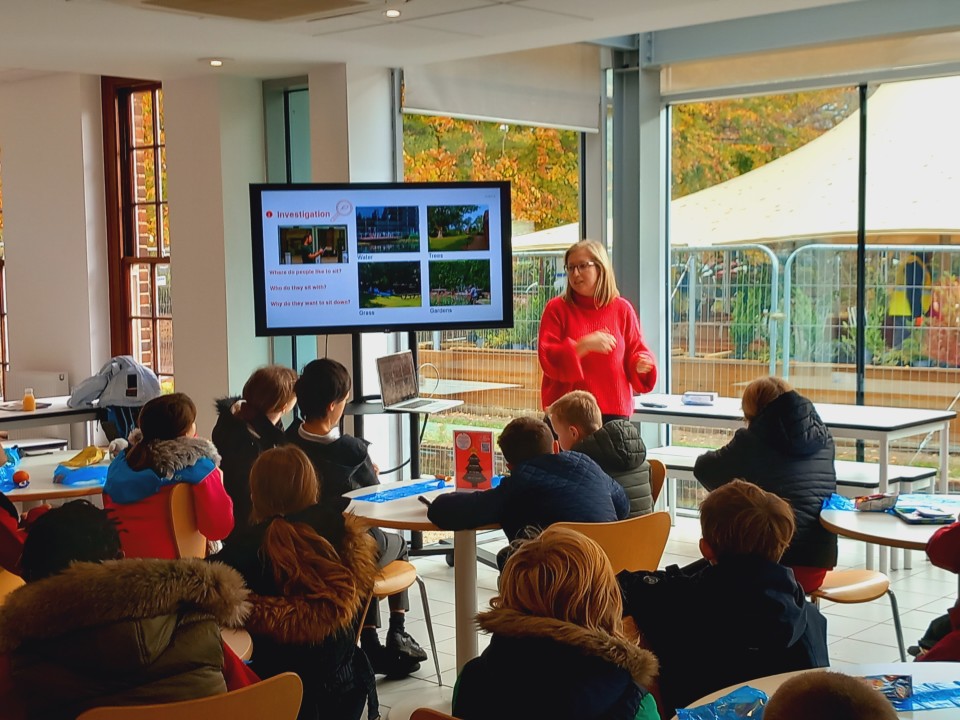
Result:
388,662
401,642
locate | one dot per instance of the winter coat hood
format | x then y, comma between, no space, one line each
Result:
87,596
640,663
183,459
618,443
791,425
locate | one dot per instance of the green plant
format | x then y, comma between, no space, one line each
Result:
749,309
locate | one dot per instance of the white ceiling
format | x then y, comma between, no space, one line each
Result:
128,38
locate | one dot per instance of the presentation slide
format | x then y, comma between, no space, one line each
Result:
364,257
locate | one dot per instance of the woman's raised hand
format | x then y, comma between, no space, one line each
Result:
599,342
644,364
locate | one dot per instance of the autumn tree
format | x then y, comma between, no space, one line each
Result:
715,141
542,164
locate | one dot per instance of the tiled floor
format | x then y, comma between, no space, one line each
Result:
857,633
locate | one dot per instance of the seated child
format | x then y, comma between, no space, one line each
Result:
941,642
13,532
785,449
311,571
248,425
90,629
827,696
541,489
343,464
741,617
616,446
557,647
164,451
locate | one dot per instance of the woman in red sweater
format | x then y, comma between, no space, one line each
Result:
590,338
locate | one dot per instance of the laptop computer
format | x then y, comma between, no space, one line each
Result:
399,387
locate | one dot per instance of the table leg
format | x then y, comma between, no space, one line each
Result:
945,458
465,589
672,498
884,461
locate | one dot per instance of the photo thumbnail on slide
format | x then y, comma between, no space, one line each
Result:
459,282
311,244
388,229
389,284
458,228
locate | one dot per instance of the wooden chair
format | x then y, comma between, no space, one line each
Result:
633,544
658,473
183,522
277,698
858,586
8,583
395,577
426,713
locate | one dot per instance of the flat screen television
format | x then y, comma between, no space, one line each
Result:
371,257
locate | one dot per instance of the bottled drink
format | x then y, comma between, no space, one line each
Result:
29,400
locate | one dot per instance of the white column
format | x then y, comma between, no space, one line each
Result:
51,148
215,149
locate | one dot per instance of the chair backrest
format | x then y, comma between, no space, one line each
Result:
658,473
183,522
633,544
277,698
430,714
8,583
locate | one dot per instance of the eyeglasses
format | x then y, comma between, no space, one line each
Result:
580,267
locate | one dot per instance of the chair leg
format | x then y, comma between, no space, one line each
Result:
429,621
896,623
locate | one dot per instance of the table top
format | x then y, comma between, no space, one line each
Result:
42,487
58,410
925,672
405,513
434,386
239,641
852,417
880,528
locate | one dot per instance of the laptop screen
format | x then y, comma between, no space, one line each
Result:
398,378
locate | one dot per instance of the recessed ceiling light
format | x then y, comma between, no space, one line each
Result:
216,62
213,61
392,13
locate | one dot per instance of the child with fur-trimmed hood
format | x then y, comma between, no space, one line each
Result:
163,452
558,648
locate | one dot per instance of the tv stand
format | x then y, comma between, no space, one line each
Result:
372,405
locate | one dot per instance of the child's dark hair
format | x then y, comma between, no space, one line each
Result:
163,418
524,438
321,383
740,518
74,532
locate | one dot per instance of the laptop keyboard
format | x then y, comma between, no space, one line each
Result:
414,403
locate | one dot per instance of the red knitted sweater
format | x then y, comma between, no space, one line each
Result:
612,378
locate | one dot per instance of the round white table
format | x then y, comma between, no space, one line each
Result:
879,527
408,513
921,673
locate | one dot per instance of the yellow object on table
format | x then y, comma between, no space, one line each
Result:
90,455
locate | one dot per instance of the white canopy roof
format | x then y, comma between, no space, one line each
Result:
913,178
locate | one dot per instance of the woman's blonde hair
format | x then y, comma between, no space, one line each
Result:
282,481
760,393
562,574
606,284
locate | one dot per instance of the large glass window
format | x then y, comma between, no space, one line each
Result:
543,167
4,346
138,225
764,224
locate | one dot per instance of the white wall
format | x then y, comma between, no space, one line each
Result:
215,148
51,142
